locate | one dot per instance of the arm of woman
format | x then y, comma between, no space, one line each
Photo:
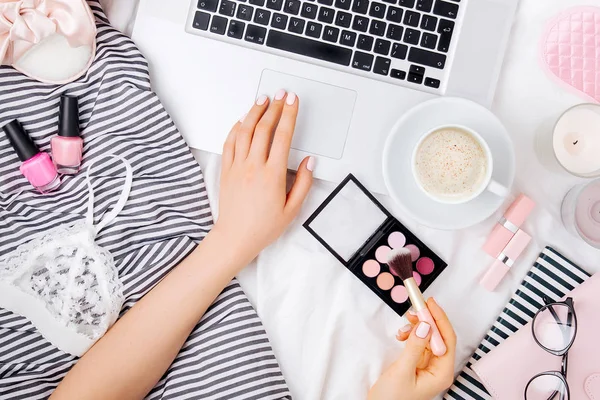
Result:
254,210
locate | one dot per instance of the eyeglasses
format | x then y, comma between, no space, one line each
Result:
554,328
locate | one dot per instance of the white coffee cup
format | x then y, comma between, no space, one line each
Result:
486,184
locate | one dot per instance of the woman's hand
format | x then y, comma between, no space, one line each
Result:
254,207
417,374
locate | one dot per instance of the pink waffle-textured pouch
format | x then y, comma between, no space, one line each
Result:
507,369
570,50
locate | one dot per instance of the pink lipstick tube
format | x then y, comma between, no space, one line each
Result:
508,225
505,260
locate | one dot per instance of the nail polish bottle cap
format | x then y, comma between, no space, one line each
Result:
68,117
20,140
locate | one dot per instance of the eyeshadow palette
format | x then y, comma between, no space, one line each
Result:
361,233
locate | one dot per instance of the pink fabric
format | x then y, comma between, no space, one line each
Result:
570,50
506,370
24,23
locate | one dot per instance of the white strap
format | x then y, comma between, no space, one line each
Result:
109,217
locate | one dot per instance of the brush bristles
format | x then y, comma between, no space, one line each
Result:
400,262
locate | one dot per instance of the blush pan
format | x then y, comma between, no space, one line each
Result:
361,233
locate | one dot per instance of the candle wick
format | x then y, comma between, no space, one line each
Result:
575,142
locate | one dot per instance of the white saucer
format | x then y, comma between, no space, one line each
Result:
404,136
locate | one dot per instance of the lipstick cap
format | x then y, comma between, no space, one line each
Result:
498,270
515,216
19,139
494,275
68,117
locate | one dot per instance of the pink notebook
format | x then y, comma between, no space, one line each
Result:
507,369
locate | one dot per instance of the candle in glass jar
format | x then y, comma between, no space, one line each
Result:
581,212
576,140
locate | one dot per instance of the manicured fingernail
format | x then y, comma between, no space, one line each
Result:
291,99
310,165
280,94
262,99
412,312
243,117
406,328
423,330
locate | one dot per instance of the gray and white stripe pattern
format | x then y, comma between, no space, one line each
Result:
552,276
228,355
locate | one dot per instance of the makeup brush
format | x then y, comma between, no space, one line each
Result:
400,262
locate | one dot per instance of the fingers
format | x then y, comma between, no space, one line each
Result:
415,346
229,147
245,132
263,133
301,187
443,323
404,332
282,140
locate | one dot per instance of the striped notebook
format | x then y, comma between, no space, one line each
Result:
552,276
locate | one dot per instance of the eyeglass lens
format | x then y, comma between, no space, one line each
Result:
554,327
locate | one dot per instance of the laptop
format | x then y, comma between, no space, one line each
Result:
356,65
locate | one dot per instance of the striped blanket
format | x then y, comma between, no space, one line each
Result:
228,355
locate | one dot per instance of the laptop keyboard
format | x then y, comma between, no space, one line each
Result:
391,40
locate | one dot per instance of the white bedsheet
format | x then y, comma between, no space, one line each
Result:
332,336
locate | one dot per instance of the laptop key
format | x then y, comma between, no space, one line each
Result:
394,32
348,38
343,4
227,8
279,21
399,51
407,3
377,10
416,69
434,83
412,36
382,66
331,34
275,4
292,7
365,42
415,78
394,14
362,61
296,25
201,20
411,18
343,19
313,29
445,29
236,29
377,28
382,47
424,5
445,9
360,23
326,15
218,25
429,22
259,3
398,74
326,2
360,6
310,48
309,10
244,12
208,5
255,34
426,57
429,40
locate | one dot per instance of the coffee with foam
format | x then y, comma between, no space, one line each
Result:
451,164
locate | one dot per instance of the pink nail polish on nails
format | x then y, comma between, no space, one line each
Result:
262,99
406,328
310,165
423,330
412,312
291,99
243,117
280,94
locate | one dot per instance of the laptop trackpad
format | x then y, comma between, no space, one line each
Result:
325,112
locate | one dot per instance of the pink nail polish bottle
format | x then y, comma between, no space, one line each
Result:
67,147
37,167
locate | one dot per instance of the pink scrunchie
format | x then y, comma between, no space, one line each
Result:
24,23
